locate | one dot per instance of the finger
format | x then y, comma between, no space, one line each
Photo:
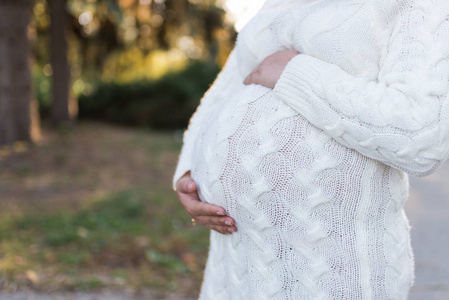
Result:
223,229
247,79
250,79
200,208
186,185
208,220
253,76
195,207
206,209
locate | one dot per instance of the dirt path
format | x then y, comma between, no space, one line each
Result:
428,212
82,163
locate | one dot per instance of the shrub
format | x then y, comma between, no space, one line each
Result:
166,103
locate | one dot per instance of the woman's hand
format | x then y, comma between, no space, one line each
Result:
206,214
269,71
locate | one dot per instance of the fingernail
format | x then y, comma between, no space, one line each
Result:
228,223
231,230
220,213
190,186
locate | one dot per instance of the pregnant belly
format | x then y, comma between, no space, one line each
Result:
261,160
255,146
299,199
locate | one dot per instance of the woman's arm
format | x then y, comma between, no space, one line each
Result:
402,118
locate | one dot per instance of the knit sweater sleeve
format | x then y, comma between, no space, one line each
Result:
402,117
224,81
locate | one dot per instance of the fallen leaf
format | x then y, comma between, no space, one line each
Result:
32,276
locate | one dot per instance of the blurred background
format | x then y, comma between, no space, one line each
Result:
94,98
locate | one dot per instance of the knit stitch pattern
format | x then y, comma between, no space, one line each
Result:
314,170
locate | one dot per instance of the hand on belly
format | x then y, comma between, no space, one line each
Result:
269,71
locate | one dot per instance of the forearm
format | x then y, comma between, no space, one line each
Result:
399,118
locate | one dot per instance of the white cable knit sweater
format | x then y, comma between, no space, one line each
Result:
313,171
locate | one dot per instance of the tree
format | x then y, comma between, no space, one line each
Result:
62,106
198,28
18,111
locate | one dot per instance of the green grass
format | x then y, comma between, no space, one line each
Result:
93,209
123,231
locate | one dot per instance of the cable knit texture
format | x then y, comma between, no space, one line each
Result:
314,170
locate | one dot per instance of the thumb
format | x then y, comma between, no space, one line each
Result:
188,186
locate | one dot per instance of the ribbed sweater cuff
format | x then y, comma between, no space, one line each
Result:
301,75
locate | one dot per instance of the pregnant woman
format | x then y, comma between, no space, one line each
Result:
303,143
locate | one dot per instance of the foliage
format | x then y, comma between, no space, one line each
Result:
167,103
42,90
103,33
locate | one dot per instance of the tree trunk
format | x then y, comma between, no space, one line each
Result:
62,108
15,76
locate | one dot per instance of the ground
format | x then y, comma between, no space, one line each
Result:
91,208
